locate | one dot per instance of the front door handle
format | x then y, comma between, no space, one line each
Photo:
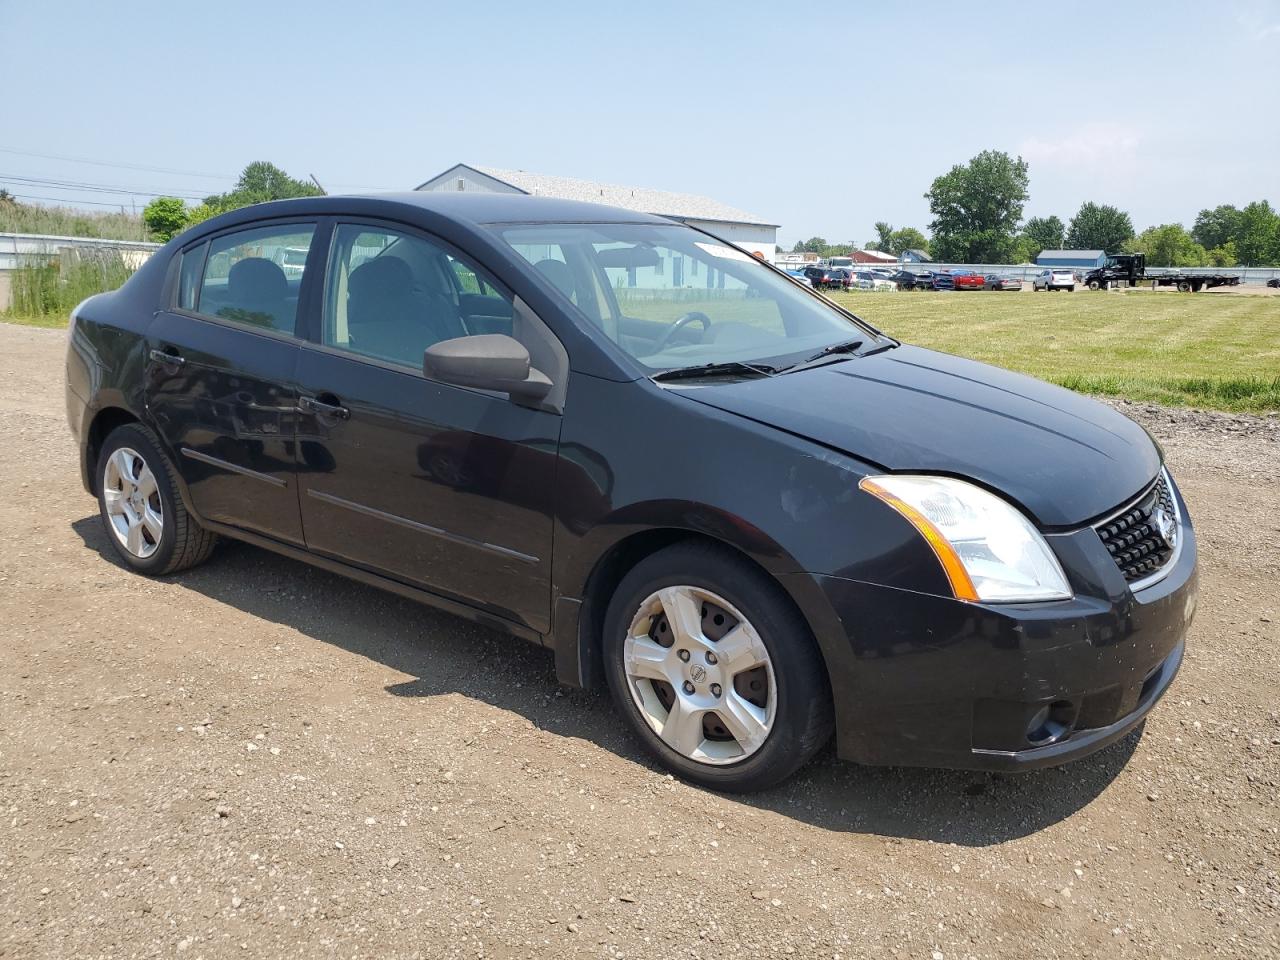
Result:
168,359
322,409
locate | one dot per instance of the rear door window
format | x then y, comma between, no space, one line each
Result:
254,276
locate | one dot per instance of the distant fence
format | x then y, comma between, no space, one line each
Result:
17,249
1028,271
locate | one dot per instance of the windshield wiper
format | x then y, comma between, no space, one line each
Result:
727,368
848,346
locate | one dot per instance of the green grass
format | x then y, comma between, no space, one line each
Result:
46,291
70,222
1216,351
25,320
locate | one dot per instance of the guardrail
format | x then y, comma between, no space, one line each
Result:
16,247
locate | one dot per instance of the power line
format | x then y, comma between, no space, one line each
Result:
123,166
182,173
66,202
94,187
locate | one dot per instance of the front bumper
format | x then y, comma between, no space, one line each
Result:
934,681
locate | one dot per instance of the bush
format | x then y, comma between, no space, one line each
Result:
47,287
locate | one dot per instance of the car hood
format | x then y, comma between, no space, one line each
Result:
1064,458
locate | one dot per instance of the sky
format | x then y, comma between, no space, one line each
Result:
824,119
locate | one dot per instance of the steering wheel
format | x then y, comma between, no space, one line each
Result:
682,321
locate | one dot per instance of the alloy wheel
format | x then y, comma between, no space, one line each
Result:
135,511
700,675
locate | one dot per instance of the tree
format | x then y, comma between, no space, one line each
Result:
1099,227
1170,245
904,239
165,217
1258,239
976,208
1224,256
201,213
812,245
1217,227
884,237
259,182
1041,233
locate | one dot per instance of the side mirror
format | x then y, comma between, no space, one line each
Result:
488,361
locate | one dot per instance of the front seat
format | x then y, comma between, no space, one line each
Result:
258,293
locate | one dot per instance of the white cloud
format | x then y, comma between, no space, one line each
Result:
1093,146
1261,20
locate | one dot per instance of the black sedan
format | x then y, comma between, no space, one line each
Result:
754,517
906,280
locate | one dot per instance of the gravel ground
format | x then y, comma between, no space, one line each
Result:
258,759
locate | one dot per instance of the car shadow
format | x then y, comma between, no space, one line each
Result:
447,654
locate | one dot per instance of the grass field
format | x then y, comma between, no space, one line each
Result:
1218,351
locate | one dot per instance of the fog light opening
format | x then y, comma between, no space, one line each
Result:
1051,723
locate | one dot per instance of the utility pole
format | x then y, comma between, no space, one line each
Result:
317,183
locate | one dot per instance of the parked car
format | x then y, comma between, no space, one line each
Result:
870,280
995,282
968,280
291,260
825,278
1054,280
498,405
941,281
906,280
799,275
1274,282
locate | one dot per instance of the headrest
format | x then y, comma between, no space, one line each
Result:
380,275
256,278
557,271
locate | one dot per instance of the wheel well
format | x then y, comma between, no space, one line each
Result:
608,573
104,422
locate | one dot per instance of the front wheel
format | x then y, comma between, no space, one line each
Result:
1093,284
714,669
141,508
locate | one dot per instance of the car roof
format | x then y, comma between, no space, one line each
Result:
472,208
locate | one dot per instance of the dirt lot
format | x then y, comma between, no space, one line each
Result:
258,759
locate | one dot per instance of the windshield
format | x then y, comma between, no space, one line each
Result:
673,297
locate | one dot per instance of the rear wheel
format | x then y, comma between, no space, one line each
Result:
1094,285
1184,286
714,670
141,508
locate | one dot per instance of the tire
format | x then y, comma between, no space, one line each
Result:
1071,289
1094,285
785,696
171,540
1184,286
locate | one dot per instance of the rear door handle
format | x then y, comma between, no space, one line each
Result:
320,408
168,359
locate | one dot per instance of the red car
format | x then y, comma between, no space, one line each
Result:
969,281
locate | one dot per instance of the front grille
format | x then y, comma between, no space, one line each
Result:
1133,537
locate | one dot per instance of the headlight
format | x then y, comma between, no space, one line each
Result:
989,550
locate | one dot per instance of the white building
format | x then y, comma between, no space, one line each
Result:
750,233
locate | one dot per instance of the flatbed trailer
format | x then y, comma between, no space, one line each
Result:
1132,267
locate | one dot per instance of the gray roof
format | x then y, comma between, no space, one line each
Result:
684,206
1072,254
